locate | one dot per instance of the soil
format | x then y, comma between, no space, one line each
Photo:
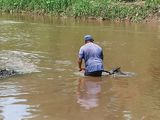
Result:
155,17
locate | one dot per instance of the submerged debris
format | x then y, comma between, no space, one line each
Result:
4,73
116,72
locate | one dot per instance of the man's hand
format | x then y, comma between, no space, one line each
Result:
80,64
80,69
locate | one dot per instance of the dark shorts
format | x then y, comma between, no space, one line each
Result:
95,73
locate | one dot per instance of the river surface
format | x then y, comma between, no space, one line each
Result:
44,50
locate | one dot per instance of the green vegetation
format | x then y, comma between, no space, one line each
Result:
132,10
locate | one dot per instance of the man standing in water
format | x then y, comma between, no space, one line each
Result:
92,55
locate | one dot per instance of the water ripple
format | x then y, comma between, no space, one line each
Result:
19,61
2,22
63,62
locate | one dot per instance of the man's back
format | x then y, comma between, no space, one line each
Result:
93,56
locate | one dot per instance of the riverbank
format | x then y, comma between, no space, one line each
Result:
137,11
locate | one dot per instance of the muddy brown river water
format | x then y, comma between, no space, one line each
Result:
44,50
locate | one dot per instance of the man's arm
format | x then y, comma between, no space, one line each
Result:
80,64
80,59
102,55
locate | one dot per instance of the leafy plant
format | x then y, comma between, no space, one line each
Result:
109,9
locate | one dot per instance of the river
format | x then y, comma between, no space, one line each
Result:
45,49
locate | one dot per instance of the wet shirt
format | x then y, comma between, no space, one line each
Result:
93,56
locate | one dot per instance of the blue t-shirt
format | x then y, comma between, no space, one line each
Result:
93,57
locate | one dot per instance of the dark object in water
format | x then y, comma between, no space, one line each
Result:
4,73
115,71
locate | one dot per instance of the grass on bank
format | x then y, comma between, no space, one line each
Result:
132,10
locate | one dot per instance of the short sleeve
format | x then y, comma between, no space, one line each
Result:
81,53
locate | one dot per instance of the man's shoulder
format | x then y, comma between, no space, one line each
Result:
84,46
97,45
90,45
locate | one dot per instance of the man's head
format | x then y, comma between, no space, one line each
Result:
88,38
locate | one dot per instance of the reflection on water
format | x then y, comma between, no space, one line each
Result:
88,92
2,22
11,106
15,111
